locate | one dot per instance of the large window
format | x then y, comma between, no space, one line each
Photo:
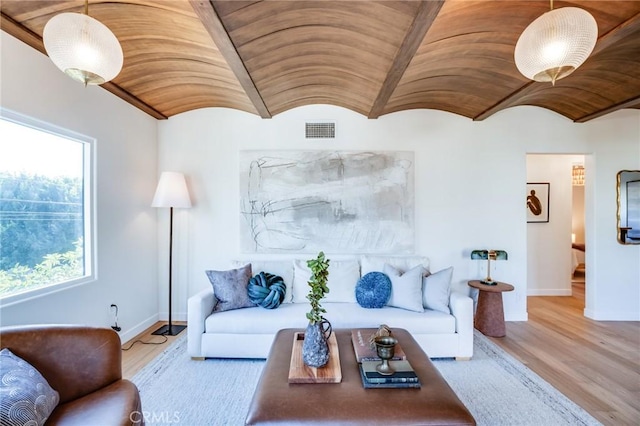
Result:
45,208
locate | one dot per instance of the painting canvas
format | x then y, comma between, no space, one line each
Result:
335,201
537,202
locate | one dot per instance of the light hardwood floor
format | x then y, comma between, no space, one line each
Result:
137,355
595,364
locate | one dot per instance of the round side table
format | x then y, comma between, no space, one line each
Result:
489,319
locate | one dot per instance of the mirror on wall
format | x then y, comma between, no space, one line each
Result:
628,189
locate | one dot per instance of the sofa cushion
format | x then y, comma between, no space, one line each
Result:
436,289
25,395
266,290
230,288
373,290
282,268
369,263
406,289
258,321
342,315
342,280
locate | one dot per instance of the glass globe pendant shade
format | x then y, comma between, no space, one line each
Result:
83,48
555,44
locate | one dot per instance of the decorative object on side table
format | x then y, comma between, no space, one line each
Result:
489,255
315,349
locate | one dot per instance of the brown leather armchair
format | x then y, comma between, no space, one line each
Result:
84,364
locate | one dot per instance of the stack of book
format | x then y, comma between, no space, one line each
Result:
368,359
403,377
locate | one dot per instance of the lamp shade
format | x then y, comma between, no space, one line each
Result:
83,48
489,255
555,44
171,191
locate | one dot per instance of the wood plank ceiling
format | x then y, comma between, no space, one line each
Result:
372,57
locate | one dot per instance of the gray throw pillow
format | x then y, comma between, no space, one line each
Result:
230,288
25,396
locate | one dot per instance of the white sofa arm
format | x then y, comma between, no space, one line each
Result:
461,307
199,307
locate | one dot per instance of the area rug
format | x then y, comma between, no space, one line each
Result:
496,388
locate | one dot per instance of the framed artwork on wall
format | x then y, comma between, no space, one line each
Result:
335,201
537,202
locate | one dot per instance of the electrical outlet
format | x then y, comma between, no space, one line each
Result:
115,318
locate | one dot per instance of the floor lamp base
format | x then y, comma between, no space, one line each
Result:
167,330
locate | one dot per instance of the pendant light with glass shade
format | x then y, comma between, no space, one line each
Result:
83,47
556,44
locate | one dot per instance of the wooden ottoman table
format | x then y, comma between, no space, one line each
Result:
275,401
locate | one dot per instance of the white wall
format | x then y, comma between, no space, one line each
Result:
126,178
470,188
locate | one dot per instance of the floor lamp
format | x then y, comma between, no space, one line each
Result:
171,192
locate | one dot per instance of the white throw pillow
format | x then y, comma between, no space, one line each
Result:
343,277
406,289
436,289
370,263
282,268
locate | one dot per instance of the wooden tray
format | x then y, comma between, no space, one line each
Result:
301,373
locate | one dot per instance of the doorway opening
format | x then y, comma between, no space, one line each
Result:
556,244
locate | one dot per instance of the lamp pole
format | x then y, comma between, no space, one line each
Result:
171,192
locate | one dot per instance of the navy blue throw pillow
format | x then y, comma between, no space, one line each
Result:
373,290
266,290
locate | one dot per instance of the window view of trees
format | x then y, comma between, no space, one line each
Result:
42,208
41,231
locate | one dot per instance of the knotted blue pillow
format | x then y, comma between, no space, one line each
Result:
373,290
266,290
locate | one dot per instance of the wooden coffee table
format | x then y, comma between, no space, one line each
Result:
276,401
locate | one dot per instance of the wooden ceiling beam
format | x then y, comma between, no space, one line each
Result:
605,41
27,36
21,32
623,30
209,17
426,14
629,103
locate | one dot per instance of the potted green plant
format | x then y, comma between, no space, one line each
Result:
315,349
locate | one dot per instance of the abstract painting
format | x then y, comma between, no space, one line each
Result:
335,201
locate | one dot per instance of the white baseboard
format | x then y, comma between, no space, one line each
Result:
549,292
612,315
132,332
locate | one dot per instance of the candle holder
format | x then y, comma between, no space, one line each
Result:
385,347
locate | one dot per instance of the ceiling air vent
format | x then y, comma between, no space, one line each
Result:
320,130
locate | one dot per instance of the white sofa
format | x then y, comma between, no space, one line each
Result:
249,332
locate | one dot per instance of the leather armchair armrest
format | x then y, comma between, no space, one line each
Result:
75,360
